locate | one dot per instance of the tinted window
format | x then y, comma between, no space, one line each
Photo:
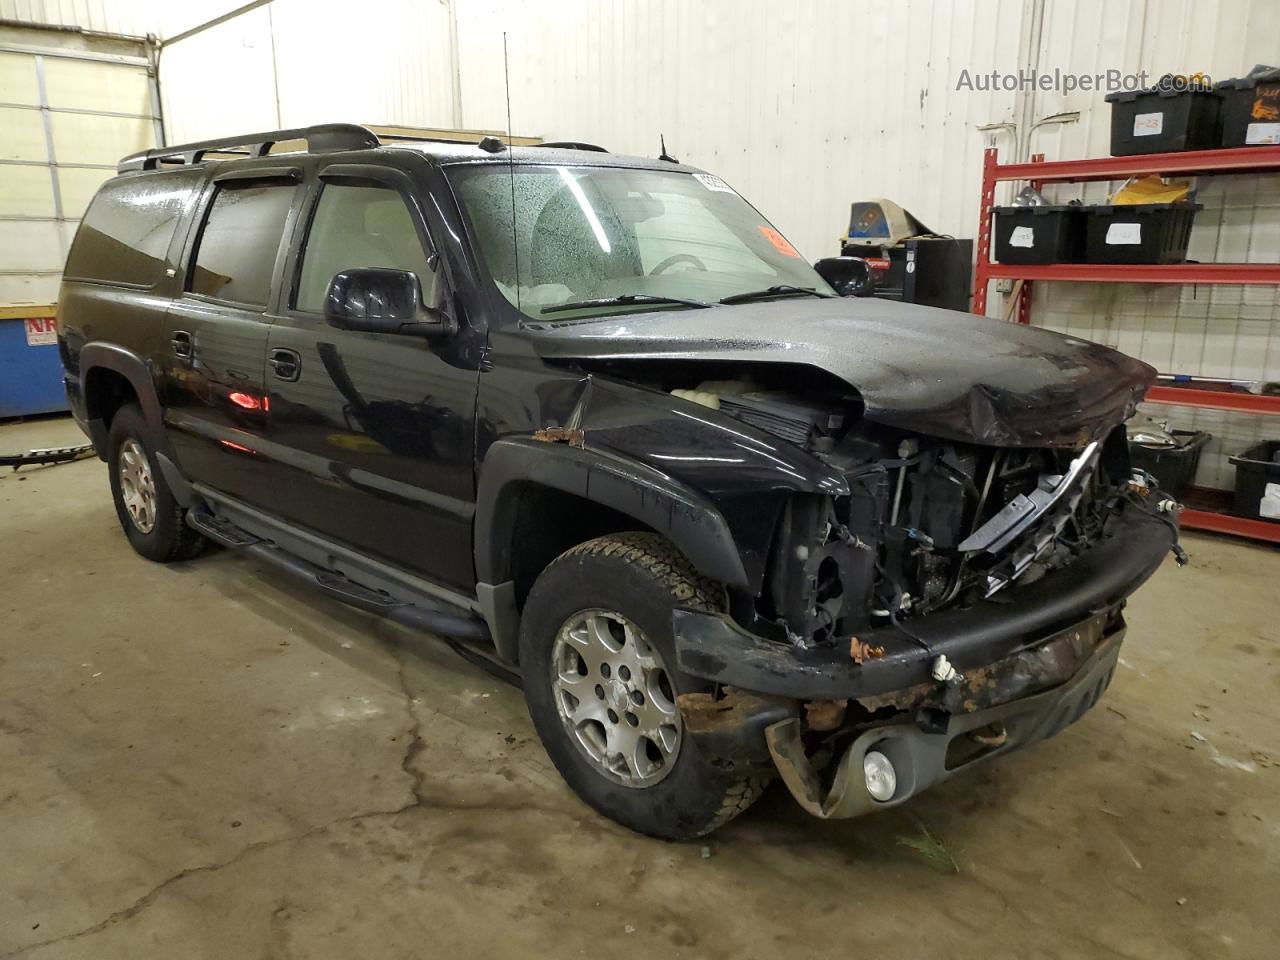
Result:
359,226
126,231
237,249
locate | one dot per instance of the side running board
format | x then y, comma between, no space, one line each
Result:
453,622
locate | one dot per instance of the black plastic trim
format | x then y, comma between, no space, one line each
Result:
680,514
110,356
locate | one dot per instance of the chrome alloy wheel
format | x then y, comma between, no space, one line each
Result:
615,698
137,488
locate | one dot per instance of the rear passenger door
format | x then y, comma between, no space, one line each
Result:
375,431
216,405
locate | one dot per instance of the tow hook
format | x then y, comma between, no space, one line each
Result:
993,735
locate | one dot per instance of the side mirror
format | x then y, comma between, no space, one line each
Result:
849,276
378,300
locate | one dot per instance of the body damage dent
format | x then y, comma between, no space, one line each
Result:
670,463
940,372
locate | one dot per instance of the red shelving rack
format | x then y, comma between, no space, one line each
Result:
1190,163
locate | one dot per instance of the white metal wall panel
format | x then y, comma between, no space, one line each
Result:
295,68
221,81
129,17
391,64
802,107
135,18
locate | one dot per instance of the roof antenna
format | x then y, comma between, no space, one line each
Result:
664,155
511,169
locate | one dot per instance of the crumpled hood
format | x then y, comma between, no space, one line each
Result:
937,372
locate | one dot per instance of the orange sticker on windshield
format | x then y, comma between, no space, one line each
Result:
780,243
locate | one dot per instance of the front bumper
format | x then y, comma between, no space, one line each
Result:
1030,662
922,758
712,646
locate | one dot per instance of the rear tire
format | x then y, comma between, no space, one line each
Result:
152,520
617,592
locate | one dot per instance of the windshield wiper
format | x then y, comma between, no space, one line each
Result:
623,300
780,289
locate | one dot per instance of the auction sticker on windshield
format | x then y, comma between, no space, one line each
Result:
780,243
713,183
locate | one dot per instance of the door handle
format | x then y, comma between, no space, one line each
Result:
181,344
286,363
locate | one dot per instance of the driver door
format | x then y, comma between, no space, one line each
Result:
374,432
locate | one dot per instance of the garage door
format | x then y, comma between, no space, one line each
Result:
67,118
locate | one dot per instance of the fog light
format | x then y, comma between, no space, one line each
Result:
882,781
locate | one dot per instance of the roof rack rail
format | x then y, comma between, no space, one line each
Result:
443,135
574,145
321,138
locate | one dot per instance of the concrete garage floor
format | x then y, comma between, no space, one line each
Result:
202,761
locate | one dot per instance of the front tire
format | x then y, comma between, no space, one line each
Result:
153,521
599,670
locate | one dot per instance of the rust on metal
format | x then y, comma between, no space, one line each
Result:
730,727
704,713
1027,672
861,651
904,699
574,438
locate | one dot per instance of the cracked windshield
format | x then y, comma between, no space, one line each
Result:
594,241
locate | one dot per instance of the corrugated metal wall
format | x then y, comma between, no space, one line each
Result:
134,18
391,64
803,107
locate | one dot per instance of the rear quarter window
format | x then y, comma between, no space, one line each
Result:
126,231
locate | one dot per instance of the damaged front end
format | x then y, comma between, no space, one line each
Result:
957,602
937,519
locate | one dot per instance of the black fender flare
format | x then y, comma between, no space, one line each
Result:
686,518
100,355
129,365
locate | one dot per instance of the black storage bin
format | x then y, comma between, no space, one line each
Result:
1164,121
1251,110
1044,234
1173,467
1258,482
1139,232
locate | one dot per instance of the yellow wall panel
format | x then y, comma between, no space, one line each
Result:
18,79
31,245
78,185
25,191
80,138
86,85
23,135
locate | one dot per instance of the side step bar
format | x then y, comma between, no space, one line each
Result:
220,531
453,622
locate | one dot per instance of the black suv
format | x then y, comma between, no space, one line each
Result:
594,420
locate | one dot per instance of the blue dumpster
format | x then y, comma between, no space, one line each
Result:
30,371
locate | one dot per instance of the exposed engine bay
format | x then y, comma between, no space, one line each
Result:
928,523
